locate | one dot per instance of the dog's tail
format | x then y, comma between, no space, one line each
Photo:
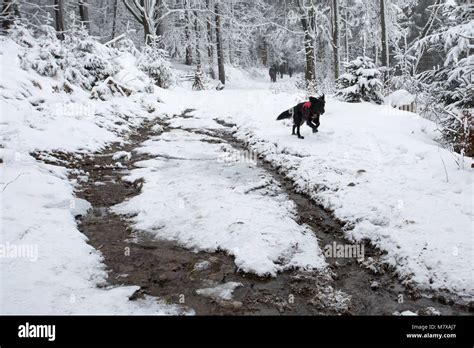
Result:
284,115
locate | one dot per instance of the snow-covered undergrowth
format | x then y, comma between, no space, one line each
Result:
378,168
46,265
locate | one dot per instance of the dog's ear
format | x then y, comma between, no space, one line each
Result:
313,100
322,98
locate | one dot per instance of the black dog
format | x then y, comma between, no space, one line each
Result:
308,112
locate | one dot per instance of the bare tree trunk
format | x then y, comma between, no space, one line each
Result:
159,29
197,37
84,14
59,12
336,38
383,23
310,74
187,34
148,31
220,49
346,37
307,22
114,22
103,23
265,53
230,53
210,44
376,53
144,13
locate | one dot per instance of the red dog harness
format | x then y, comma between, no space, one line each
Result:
306,110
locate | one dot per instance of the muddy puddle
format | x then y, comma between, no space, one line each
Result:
166,270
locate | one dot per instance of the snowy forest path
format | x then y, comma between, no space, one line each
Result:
175,272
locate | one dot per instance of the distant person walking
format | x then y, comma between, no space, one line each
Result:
273,74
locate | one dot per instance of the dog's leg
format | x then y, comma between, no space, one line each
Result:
295,119
298,121
316,119
313,127
298,131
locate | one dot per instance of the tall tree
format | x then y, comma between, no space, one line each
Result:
59,13
307,21
264,52
346,35
197,37
335,40
144,12
84,14
384,34
187,34
219,44
159,26
210,41
114,20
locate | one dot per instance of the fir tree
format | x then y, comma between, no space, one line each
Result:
451,83
198,80
153,61
360,82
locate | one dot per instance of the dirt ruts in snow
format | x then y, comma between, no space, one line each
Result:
374,288
166,270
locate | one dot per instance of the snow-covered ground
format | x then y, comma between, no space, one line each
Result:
197,197
46,265
379,169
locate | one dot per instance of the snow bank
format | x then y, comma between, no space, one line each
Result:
46,265
399,98
57,272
